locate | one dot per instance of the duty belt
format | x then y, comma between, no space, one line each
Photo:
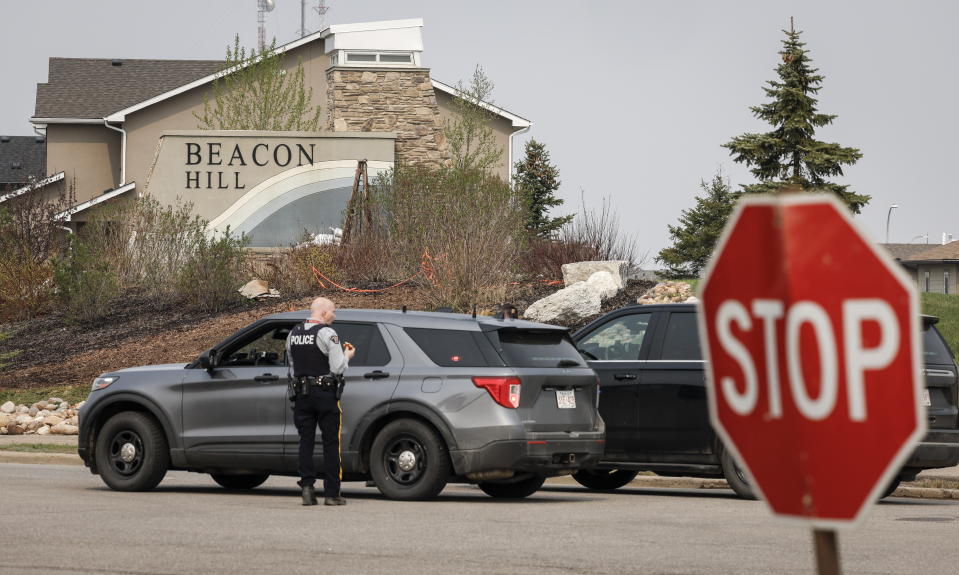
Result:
322,381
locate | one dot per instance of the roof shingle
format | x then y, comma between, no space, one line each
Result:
94,87
21,157
948,251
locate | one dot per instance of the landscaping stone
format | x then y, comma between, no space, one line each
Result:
667,292
8,407
605,284
568,305
581,271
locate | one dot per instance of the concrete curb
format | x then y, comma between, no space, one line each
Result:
44,458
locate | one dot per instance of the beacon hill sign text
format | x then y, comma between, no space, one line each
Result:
219,166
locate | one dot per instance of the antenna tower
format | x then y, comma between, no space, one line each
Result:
262,7
321,9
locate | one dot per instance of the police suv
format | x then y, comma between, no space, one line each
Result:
430,398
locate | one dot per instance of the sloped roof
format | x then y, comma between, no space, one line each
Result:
905,251
95,87
948,251
22,157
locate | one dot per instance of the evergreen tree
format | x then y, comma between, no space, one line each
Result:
260,94
695,236
537,180
790,155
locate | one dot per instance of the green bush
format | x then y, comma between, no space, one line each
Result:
86,284
210,277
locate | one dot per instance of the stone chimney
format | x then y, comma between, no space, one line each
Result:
375,84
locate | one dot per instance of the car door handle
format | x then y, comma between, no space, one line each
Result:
376,374
266,378
624,376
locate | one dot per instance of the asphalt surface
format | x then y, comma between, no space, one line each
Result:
63,519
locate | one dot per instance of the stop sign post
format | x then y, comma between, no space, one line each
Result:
811,336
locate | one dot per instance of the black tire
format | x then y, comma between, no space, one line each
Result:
735,476
409,461
604,479
516,490
891,488
245,481
132,452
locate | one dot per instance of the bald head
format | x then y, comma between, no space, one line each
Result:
323,310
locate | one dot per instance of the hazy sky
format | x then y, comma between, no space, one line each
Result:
632,99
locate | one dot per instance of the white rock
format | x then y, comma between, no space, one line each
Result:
581,271
75,420
568,305
3,430
45,430
8,407
5,419
60,429
33,411
605,284
23,419
52,420
34,424
63,406
667,292
79,405
23,409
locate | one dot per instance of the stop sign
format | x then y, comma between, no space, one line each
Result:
811,336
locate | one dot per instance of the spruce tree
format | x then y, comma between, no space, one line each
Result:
695,236
790,155
537,180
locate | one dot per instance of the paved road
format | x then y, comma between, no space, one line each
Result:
62,519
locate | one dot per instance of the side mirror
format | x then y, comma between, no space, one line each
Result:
206,360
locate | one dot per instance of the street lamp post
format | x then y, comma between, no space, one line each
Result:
889,215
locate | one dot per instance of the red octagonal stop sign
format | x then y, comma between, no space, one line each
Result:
811,334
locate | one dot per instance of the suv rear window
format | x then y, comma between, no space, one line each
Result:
934,349
524,348
454,347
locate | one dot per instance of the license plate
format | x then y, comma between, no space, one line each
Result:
926,399
566,398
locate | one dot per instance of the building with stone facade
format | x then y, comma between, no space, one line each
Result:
117,129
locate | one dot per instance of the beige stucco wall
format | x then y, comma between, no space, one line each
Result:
89,155
937,275
145,127
502,128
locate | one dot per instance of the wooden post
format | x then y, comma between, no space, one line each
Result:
826,543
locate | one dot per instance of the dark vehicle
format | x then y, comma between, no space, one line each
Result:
429,398
653,400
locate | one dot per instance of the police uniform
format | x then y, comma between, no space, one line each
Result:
315,354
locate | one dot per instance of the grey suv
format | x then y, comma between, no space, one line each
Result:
429,398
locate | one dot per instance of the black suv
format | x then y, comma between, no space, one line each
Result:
653,400
429,398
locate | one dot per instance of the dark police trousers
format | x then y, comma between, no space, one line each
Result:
320,406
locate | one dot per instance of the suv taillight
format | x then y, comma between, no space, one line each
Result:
503,390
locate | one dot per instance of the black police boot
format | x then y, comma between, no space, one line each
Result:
309,495
334,501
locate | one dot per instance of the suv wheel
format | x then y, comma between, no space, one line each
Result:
409,461
245,481
735,477
516,490
132,452
604,479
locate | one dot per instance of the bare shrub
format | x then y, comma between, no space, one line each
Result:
87,283
291,270
593,235
209,278
30,237
468,221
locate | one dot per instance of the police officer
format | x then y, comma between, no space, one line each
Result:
317,363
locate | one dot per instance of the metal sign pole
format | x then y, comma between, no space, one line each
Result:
827,552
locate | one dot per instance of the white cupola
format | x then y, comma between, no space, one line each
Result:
387,44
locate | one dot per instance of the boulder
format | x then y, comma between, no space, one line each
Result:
581,271
22,419
45,430
568,305
14,429
667,292
34,424
254,288
52,420
75,420
23,409
604,284
33,411
8,407
5,419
